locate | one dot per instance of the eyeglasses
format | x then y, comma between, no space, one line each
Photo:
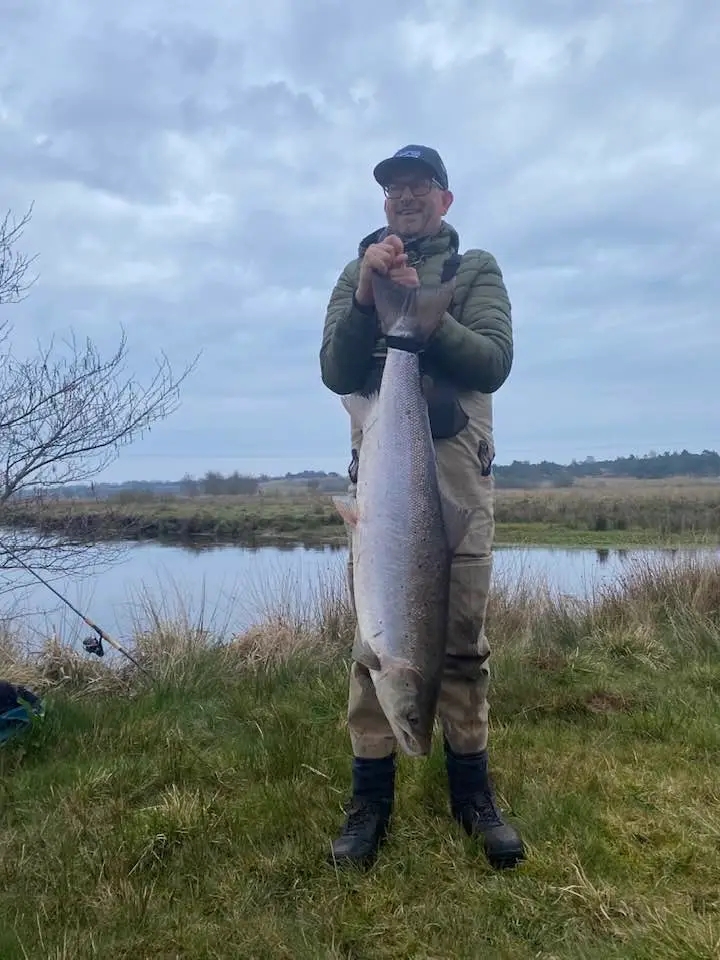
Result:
418,188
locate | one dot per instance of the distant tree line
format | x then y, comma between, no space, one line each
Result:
214,483
651,466
519,473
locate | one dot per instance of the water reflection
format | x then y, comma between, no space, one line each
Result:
604,554
230,587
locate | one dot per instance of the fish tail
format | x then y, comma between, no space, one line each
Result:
409,316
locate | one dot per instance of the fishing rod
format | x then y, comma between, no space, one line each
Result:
91,644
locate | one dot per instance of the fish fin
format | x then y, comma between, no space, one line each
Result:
393,302
414,313
368,658
431,303
359,406
348,509
389,663
456,520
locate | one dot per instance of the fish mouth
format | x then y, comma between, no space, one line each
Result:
414,736
413,744
407,705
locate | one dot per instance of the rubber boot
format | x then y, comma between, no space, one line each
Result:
368,816
472,802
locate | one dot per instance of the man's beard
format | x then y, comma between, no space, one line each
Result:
424,230
411,234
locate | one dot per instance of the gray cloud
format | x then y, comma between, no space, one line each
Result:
202,177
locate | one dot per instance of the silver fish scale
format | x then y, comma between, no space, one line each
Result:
403,586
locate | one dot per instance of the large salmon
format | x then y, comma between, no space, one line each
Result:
404,531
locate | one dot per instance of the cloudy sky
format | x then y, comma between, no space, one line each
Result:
200,175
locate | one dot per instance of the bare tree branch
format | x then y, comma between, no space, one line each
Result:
57,555
13,264
63,419
65,414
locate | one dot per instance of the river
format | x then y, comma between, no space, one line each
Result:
228,587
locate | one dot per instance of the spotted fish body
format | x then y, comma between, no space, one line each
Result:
404,530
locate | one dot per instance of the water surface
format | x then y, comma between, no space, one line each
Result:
229,587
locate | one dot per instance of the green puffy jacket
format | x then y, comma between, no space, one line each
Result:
473,349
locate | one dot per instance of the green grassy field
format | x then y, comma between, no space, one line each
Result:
615,514
191,817
667,508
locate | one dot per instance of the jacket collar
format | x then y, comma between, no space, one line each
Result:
445,241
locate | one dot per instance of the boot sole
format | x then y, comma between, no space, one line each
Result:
358,863
505,861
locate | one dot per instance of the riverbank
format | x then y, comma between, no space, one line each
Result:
615,514
557,535
192,817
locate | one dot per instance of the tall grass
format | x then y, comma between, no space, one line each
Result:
668,508
191,817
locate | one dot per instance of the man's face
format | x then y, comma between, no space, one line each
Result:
415,204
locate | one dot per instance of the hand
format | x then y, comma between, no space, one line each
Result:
405,275
384,256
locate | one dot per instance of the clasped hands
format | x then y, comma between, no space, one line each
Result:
387,257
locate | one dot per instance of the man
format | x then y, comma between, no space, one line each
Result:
466,361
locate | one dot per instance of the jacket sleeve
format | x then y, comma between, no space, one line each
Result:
477,353
349,337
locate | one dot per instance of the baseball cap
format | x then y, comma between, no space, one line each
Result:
413,153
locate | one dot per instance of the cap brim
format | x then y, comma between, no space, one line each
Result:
387,169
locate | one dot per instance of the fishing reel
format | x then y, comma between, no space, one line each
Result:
91,644
94,645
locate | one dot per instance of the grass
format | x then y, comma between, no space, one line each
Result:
612,513
558,535
217,519
669,509
191,817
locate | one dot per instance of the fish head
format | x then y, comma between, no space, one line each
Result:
408,702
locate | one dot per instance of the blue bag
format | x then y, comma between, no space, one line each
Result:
18,705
